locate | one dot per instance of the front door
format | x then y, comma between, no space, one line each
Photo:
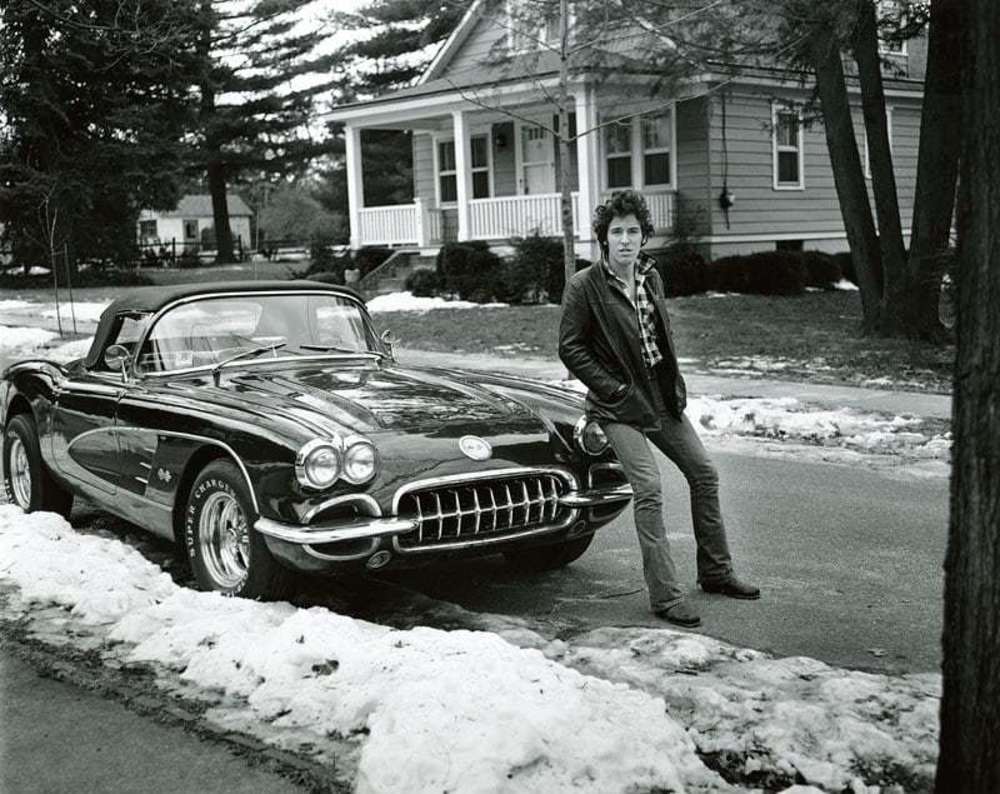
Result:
538,161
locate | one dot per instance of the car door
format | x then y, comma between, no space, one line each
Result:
85,444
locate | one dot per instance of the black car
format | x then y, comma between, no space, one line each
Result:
269,429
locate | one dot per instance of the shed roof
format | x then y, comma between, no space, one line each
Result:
199,205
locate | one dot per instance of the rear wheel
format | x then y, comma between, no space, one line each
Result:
225,551
26,481
548,558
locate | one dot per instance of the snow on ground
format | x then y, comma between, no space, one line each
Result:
19,342
848,286
407,302
9,304
426,710
85,311
789,420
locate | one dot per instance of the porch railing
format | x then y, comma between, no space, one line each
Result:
489,219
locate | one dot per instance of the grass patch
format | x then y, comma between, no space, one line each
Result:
814,337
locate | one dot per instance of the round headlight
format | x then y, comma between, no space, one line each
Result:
318,464
589,436
359,461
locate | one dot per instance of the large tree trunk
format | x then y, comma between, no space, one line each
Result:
220,210
847,174
890,232
215,165
969,761
937,170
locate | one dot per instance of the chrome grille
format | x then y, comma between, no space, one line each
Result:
481,509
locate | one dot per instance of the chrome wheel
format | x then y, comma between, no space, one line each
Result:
224,538
20,474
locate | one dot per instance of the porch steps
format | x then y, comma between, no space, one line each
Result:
391,275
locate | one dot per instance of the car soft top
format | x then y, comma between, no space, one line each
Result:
152,299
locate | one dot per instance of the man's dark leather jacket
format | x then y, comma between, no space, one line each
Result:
599,344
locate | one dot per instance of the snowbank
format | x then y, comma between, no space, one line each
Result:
616,710
407,302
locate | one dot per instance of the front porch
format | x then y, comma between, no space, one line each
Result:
493,219
491,171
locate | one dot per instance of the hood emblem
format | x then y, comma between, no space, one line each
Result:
164,475
475,447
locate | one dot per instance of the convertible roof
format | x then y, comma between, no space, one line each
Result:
152,299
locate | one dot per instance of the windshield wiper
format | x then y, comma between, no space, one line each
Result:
254,351
339,349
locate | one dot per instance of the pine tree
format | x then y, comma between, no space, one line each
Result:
259,78
94,109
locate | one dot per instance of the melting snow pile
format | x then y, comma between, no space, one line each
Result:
17,342
407,302
425,710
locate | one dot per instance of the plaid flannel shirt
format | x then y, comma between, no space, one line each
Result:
644,311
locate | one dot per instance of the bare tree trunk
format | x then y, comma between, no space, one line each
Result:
847,174
215,166
937,169
969,760
890,231
566,196
220,211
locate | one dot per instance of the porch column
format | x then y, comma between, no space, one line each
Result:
462,174
588,159
355,188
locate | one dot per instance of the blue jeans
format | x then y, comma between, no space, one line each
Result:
677,439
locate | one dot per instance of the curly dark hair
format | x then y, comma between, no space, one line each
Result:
622,202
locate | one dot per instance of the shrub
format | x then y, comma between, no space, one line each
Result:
762,273
370,257
822,270
469,269
424,282
846,265
524,277
188,259
327,277
683,269
557,278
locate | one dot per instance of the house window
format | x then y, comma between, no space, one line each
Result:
786,138
480,166
447,176
147,230
657,141
888,124
618,153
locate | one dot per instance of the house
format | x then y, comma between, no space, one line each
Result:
744,137
188,226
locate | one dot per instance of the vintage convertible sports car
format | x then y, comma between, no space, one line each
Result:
267,428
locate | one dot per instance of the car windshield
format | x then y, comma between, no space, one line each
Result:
211,330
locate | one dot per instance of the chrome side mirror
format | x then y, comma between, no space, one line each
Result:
388,340
117,357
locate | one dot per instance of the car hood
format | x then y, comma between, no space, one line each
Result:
367,399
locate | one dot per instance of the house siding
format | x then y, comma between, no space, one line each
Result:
692,201
423,168
479,47
504,160
746,148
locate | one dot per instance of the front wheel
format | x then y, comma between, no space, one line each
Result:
548,558
26,481
225,551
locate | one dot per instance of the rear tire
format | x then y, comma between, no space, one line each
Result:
548,558
225,552
27,483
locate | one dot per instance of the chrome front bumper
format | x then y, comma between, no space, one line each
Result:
389,526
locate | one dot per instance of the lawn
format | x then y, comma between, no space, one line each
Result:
811,337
